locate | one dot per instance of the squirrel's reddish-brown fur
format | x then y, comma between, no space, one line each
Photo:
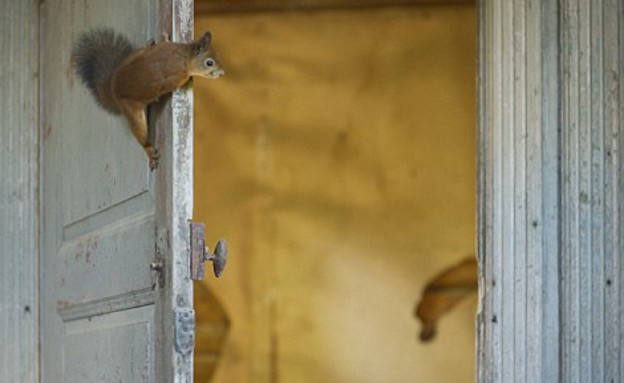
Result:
124,80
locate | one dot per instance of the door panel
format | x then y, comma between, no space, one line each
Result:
115,338
107,314
107,262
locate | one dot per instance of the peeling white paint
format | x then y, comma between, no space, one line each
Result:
176,182
183,17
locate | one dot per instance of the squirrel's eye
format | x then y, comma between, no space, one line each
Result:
210,62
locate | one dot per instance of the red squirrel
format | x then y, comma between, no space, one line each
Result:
124,80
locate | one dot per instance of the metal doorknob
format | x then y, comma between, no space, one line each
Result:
218,258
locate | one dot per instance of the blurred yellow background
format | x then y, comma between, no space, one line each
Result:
337,158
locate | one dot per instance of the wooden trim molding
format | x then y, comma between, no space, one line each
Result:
518,213
174,201
19,193
550,191
592,198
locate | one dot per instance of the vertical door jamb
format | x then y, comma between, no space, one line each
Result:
174,200
519,187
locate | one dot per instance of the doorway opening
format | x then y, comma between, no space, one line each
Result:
337,158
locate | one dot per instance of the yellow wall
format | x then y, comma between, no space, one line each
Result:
337,157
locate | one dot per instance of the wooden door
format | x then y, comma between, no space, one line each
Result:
115,288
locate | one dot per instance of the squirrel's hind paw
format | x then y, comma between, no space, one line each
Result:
153,156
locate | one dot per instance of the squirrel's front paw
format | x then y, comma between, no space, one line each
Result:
153,156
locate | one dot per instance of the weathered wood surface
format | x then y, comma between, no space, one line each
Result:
19,138
98,214
106,314
174,198
592,59
550,189
518,192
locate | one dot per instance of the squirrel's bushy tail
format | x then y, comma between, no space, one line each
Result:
95,56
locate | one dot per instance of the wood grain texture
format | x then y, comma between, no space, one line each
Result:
174,196
107,314
591,167
226,6
19,138
551,281
518,192
98,207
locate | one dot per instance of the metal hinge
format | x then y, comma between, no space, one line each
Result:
200,253
184,330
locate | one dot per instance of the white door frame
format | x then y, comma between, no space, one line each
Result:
174,191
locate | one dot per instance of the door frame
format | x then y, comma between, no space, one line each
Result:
518,190
174,190
19,192
550,209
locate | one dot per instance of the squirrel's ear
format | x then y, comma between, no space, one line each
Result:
203,41
207,37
